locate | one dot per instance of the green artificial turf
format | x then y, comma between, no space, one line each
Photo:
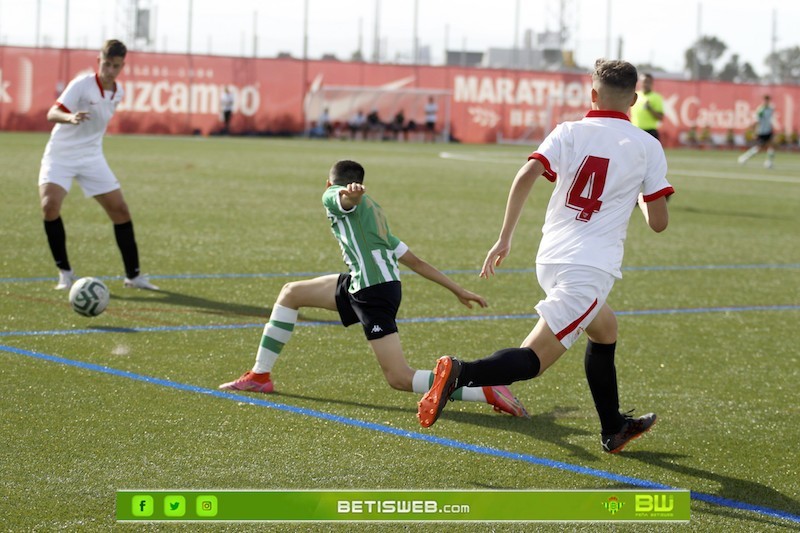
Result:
708,315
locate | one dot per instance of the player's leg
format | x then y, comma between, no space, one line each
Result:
496,371
389,353
318,292
770,161
400,376
54,184
601,372
375,308
753,150
570,305
617,429
113,202
98,181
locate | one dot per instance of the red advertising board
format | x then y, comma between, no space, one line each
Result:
173,93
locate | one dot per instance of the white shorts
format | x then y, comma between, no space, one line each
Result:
575,294
93,174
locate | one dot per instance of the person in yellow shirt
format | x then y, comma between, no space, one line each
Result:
648,110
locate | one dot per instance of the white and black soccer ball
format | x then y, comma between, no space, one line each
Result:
89,296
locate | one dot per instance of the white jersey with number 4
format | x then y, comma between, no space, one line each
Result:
599,165
84,140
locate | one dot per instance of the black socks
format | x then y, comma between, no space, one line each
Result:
127,246
602,377
57,239
501,368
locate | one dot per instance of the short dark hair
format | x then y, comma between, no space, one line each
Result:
615,73
114,48
345,172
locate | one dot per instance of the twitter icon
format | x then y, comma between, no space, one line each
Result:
174,506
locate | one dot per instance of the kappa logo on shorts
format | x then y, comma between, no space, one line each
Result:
376,329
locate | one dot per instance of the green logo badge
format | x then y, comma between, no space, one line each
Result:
174,506
207,505
142,505
613,505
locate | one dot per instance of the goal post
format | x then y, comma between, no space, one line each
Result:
343,102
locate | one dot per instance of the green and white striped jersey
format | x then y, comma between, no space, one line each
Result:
764,115
368,247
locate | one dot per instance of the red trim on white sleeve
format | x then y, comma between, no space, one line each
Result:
667,191
569,329
62,107
548,172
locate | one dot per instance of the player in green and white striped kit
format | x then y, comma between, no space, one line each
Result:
368,294
764,133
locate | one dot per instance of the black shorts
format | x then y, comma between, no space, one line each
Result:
374,307
764,138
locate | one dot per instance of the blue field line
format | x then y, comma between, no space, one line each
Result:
414,320
449,443
657,268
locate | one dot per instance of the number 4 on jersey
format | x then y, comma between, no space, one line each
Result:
587,186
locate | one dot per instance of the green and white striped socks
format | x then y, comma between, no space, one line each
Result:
277,333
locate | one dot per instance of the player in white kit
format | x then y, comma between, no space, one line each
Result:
602,167
75,152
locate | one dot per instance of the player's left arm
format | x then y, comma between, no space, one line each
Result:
428,271
656,189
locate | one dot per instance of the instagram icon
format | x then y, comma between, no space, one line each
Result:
206,506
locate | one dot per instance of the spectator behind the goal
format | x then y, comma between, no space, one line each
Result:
357,124
431,112
374,125
398,126
326,128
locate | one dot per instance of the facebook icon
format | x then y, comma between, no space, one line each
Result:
142,505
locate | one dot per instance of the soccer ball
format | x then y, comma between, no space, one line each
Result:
89,296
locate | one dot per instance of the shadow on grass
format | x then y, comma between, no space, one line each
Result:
543,427
205,305
732,488
196,302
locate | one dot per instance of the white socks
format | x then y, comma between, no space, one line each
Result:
423,379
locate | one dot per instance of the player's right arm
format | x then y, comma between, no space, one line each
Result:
350,196
58,115
517,196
